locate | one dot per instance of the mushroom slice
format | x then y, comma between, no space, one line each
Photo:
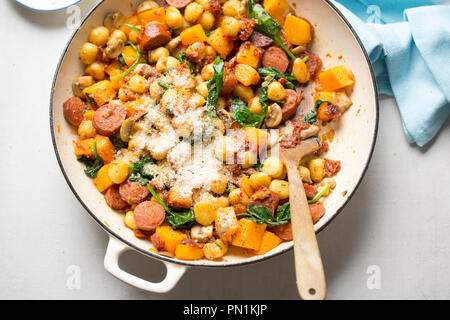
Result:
80,83
126,128
274,115
114,48
114,20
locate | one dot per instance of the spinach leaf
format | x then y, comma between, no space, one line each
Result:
215,86
242,114
259,166
141,171
311,116
137,177
92,166
267,25
118,143
177,219
138,166
181,219
182,58
92,100
261,214
274,73
122,62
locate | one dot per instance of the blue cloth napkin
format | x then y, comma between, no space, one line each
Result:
408,42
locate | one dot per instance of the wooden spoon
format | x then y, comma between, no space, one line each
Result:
308,264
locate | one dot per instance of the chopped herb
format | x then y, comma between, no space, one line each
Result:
177,219
261,214
311,116
215,86
218,245
133,27
92,166
138,60
320,194
267,25
164,84
305,59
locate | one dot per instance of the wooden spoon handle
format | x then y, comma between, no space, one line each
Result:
308,264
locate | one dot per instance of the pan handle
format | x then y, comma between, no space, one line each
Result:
113,252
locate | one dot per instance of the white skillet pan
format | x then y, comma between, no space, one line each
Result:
335,41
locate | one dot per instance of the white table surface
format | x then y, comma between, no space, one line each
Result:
398,221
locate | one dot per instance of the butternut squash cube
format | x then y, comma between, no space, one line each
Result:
158,14
129,55
246,74
136,108
178,200
171,238
250,55
222,44
84,148
249,235
133,20
328,96
278,9
185,252
226,223
297,31
193,34
103,181
269,241
336,78
101,92
105,149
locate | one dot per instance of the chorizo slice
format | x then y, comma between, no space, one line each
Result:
108,119
283,231
229,82
74,109
290,105
157,242
132,192
179,4
260,41
266,198
314,63
113,199
317,211
149,215
310,191
153,36
215,7
276,58
332,167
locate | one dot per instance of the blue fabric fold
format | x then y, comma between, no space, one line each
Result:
408,42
